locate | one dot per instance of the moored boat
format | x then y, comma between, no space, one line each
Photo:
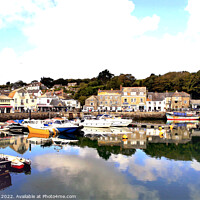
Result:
64,126
116,121
42,130
17,162
181,116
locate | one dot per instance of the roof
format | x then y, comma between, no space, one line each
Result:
12,94
109,92
134,89
5,97
57,102
195,101
156,96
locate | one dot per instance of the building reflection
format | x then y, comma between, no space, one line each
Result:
139,138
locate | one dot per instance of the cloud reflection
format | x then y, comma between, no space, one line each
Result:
88,177
150,169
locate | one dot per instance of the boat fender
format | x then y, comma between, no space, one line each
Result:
124,137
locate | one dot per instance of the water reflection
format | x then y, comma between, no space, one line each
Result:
102,164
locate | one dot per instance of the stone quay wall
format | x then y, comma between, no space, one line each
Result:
140,115
37,115
70,115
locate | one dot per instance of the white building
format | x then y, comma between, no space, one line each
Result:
44,101
72,104
155,102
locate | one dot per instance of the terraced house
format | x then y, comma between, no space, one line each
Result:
133,98
177,100
109,100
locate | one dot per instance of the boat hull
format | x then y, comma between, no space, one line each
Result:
44,131
182,118
67,129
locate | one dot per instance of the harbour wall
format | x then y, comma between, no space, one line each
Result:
44,115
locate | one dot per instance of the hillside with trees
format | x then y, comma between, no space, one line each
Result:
172,81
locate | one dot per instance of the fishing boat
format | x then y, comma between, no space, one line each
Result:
181,116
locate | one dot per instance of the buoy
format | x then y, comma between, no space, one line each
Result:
161,134
160,128
124,137
171,127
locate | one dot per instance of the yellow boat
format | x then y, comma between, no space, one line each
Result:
43,131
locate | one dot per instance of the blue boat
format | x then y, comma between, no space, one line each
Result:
64,126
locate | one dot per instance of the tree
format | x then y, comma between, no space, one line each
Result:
47,81
105,76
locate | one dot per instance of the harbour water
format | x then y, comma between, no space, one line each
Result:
100,164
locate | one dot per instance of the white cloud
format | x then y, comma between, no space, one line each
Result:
78,39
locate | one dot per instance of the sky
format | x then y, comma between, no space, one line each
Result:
78,39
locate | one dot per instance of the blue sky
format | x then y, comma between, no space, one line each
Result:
79,39
173,17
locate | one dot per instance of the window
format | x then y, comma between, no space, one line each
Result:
125,100
141,93
125,93
91,103
15,100
26,100
133,93
48,100
185,102
141,100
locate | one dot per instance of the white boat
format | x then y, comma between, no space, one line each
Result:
116,121
98,123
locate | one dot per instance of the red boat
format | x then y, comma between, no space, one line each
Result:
17,165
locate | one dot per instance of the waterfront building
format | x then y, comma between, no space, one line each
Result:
90,103
72,104
22,100
195,104
133,98
44,101
155,102
177,100
6,104
109,100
